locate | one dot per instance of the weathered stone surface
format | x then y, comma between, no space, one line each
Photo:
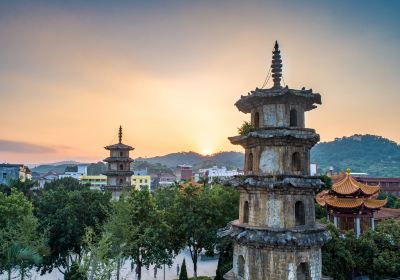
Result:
276,236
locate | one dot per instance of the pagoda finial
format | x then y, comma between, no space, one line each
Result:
276,66
348,171
120,134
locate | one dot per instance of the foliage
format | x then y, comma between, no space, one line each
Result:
183,274
374,253
362,153
320,212
99,258
21,245
25,187
225,258
246,128
139,224
337,260
75,273
67,183
65,214
392,200
96,168
327,182
196,213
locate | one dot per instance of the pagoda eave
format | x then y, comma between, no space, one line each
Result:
277,136
261,236
117,173
118,159
277,95
278,183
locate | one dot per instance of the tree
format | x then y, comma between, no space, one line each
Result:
26,187
225,258
99,257
337,260
197,214
65,215
75,273
183,274
139,224
67,183
20,243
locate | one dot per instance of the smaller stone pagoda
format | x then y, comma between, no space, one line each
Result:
351,205
118,170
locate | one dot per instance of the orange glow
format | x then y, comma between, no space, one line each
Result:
171,79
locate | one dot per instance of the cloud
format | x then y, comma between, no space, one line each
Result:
24,147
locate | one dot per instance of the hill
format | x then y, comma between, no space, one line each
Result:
372,154
229,159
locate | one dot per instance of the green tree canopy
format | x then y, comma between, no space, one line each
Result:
65,214
21,246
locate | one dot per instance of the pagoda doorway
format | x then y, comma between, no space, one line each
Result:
303,272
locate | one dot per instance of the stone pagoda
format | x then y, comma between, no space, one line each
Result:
351,205
118,170
276,236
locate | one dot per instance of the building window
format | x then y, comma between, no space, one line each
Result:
257,120
241,263
299,214
121,154
246,212
303,272
293,117
121,181
250,162
296,162
121,167
141,181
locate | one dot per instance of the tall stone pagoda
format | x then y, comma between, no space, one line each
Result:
118,170
351,205
276,236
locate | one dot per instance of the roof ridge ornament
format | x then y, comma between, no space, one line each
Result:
276,66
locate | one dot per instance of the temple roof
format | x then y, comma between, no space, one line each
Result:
325,198
347,192
348,185
265,96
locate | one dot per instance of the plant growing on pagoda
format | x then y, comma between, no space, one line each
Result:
246,128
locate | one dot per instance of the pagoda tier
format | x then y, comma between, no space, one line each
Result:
350,204
118,170
276,236
262,97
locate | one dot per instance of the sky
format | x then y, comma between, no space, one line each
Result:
170,72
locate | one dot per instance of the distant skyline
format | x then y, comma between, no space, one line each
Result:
170,72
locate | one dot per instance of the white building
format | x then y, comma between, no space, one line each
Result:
220,173
74,171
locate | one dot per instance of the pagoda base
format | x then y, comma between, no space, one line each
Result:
254,263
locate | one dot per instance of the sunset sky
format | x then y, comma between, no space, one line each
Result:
170,72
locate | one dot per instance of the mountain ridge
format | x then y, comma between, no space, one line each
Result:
375,155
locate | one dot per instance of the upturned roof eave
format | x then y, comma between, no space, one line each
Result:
247,102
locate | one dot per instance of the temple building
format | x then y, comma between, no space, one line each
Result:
351,205
276,235
118,169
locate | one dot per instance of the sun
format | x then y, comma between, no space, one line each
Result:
206,152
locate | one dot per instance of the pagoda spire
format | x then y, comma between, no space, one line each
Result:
120,134
276,66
